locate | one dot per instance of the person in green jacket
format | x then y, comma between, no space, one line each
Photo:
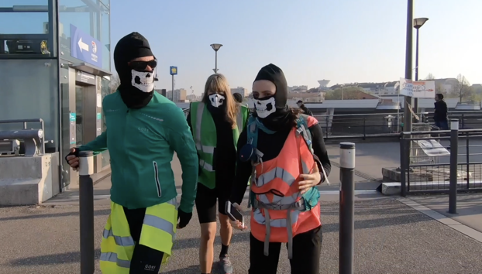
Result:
215,123
144,129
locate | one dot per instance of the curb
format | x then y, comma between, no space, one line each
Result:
467,231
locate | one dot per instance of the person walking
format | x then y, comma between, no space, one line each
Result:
215,123
440,112
305,110
143,130
284,154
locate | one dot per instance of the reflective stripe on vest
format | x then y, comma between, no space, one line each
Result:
284,210
118,245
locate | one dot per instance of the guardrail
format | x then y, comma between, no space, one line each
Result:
34,139
372,125
379,125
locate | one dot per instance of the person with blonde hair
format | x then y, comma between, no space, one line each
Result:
215,123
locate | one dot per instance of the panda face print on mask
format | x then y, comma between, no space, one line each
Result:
265,106
216,100
143,81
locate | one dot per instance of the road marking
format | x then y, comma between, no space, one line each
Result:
468,231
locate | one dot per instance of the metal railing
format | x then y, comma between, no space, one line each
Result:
372,125
427,160
34,139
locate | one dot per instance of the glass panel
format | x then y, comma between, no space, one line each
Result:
24,28
105,2
105,37
36,97
64,84
105,90
88,19
79,101
24,16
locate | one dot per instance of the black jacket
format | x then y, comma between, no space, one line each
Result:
440,112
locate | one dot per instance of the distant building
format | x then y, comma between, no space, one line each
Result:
163,91
446,85
193,98
307,96
240,90
298,89
179,95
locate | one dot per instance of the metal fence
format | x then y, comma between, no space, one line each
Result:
426,163
386,124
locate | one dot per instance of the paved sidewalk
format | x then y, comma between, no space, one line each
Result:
390,237
469,211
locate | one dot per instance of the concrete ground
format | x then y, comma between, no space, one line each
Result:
390,237
469,208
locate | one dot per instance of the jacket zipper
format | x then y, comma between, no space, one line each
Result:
156,177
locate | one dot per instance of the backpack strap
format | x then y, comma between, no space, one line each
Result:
303,130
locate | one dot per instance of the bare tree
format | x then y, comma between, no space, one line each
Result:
430,77
114,83
462,88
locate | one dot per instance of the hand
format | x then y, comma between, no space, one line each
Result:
183,218
310,180
237,224
72,159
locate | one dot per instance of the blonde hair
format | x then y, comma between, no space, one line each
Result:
219,84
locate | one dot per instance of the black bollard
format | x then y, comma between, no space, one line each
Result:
454,148
86,204
347,207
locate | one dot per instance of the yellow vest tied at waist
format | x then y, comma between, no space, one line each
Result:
158,232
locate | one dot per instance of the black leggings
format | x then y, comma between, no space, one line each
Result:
306,254
145,260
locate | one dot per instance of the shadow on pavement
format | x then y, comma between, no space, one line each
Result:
66,214
191,269
195,242
60,258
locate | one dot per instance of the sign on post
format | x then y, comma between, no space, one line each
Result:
173,70
417,89
85,47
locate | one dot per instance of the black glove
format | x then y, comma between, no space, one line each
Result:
183,218
73,151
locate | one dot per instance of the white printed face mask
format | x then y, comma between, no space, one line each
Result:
143,81
216,100
265,107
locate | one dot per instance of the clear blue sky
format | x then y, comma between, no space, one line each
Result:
343,41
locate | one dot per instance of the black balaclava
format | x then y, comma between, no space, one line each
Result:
273,111
137,86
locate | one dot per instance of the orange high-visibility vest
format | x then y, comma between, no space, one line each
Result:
278,211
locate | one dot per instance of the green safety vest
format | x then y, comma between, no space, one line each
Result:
204,131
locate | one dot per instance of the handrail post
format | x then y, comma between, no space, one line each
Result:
347,207
86,208
403,166
454,145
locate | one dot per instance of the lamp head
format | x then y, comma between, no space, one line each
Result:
216,47
418,22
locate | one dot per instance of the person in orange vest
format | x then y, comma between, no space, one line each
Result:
284,154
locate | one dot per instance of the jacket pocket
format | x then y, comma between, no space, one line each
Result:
156,178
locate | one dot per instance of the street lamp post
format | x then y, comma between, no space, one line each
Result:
407,115
216,47
417,24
